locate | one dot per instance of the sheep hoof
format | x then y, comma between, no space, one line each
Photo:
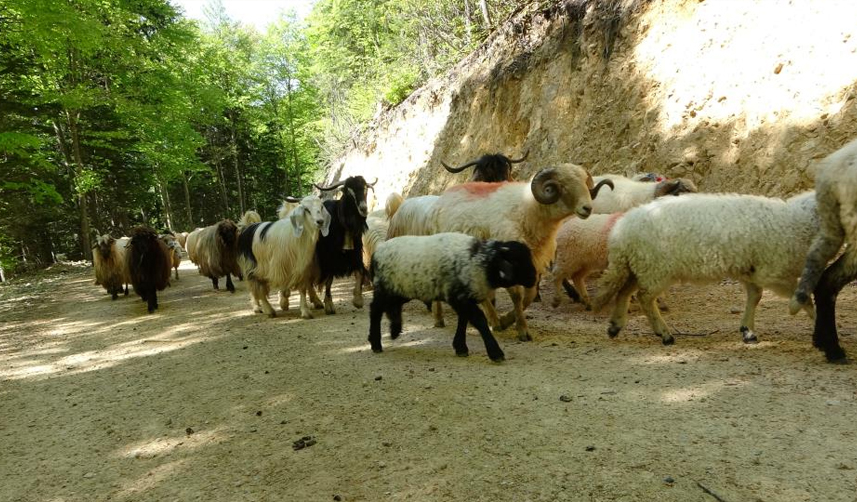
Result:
317,305
668,339
613,330
462,353
272,315
748,336
439,324
798,301
358,302
377,350
525,337
328,308
498,358
836,356
555,303
257,310
306,315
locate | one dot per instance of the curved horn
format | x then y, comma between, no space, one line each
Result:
593,192
545,187
515,161
459,168
289,198
372,185
331,187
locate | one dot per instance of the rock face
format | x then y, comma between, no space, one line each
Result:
738,96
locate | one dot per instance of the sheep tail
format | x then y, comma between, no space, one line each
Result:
612,281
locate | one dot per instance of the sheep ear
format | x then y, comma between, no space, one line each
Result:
297,219
325,226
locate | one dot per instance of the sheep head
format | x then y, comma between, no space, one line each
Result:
310,213
489,168
676,186
353,192
569,186
103,245
508,263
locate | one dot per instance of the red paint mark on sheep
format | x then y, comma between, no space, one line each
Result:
611,222
479,188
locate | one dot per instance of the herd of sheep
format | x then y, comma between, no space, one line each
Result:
492,232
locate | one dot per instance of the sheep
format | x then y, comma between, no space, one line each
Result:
759,241
581,249
339,253
455,268
377,224
526,212
190,244
148,262
281,255
248,218
628,193
412,217
582,244
836,196
181,237
489,168
216,253
286,207
175,251
108,261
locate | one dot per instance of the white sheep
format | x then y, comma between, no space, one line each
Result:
627,193
836,195
413,217
377,225
175,251
582,244
759,241
190,244
280,255
581,249
451,267
514,211
108,261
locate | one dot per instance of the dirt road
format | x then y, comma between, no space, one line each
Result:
204,400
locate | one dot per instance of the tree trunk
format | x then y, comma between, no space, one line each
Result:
468,21
81,197
165,201
223,196
292,137
187,202
236,166
486,16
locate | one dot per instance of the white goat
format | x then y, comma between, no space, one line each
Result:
759,241
413,217
280,254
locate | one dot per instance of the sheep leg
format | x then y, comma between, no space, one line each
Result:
437,313
491,313
824,336
824,247
152,300
214,282
619,317
114,293
647,300
570,291
580,285
259,291
229,286
748,324
313,297
472,314
328,298
558,281
306,313
538,295
376,312
394,314
126,290
520,297
459,341
284,299
358,290
177,272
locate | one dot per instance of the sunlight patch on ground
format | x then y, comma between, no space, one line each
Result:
762,76
161,445
133,488
688,394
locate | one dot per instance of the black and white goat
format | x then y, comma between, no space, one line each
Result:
340,252
452,267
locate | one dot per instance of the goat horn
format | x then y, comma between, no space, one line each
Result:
459,168
372,185
515,161
593,192
289,198
545,187
331,187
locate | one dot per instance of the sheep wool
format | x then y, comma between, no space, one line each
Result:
758,241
